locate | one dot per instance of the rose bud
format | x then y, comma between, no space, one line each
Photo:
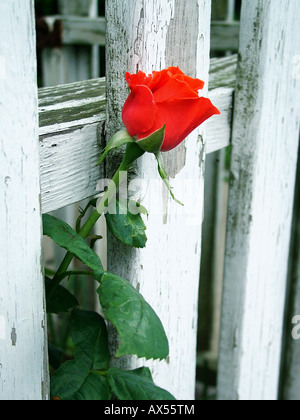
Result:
164,108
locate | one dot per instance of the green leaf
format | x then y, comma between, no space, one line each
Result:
119,139
127,227
75,382
90,339
61,300
164,177
154,142
141,331
135,385
55,356
67,238
80,379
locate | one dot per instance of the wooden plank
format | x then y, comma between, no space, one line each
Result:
65,110
78,30
65,107
23,349
167,271
219,129
225,36
71,121
222,72
77,7
91,31
265,144
290,385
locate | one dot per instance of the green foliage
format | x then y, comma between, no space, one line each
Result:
135,385
154,142
75,382
141,331
79,379
90,339
88,376
118,140
67,238
129,228
46,7
61,300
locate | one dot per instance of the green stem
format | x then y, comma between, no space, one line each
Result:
133,152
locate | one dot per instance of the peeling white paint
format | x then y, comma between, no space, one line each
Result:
23,341
2,328
167,271
264,157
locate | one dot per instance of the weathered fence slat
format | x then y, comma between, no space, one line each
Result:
149,36
265,144
23,360
225,36
71,123
290,380
78,30
91,31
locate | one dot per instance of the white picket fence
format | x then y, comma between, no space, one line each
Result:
55,160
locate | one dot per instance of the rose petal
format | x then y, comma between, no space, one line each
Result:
174,89
139,111
157,78
194,84
181,118
137,79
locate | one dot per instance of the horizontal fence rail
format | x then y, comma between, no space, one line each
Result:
71,123
225,36
78,30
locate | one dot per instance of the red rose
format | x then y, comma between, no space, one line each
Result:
166,98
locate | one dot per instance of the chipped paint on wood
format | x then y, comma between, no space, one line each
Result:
265,145
170,275
23,349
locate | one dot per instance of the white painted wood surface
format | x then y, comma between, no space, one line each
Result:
71,126
291,362
23,350
154,35
265,144
219,129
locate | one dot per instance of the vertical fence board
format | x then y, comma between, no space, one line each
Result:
150,35
265,144
23,361
290,381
